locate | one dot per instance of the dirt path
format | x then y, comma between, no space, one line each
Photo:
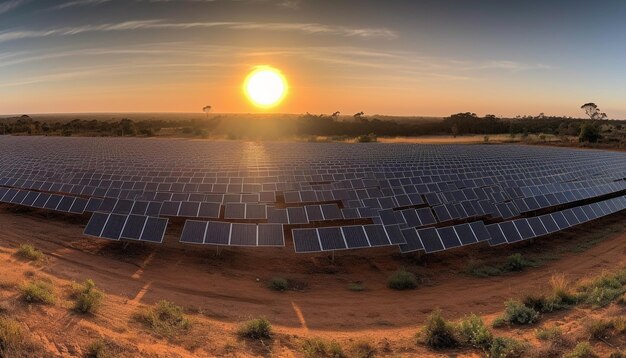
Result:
232,287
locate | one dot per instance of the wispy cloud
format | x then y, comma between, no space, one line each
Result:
308,28
76,3
9,5
290,4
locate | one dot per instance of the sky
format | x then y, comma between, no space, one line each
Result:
395,57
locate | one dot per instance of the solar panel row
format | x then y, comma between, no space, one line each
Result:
131,227
232,234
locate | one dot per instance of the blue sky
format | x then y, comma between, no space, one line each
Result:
392,57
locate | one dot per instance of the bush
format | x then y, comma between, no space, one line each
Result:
438,332
356,287
517,262
402,280
88,297
10,336
279,284
599,329
473,331
603,290
370,138
258,328
38,292
165,319
517,313
363,350
582,350
503,347
29,252
546,334
319,348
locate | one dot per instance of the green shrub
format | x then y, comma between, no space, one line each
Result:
88,297
29,252
356,287
473,331
402,280
503,347
38,292
547,334
438,332
165,319
98,349
517,262
599,329
582,350
258,328
319,348
370,138
517,313
10,336
279,284
362,350
603,290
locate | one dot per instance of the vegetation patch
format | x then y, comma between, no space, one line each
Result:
473,331
503,347
582,350
88,297
38,292
402,280
165,319
356,286
363,350
438,333
517,313
29,252
258,329
102,348
279,284
13,342
319,348
513,263
603,290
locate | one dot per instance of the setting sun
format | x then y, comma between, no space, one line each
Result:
265,87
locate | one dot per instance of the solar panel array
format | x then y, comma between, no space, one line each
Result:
326,196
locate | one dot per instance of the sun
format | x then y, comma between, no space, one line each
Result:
265,87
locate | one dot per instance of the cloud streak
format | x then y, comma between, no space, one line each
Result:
9,5
307,28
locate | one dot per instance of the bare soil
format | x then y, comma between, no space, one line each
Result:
218,292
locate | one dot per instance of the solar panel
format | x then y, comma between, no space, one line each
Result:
170,208
430,240
209,210
133,227
218,233
449,237
256,211
426,216
549,223
41,200
465,234
277,216
297,215
376,235
306,240
154,208
113,227
194,232
537,226
496,234
271,235
154,230
189,209
560,220
331,212
123,206
524,229
96,224
479,229
413,242
331,238
243,235
355,237
30,198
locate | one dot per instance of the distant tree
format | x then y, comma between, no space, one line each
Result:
206,110
358,115
455,130
589,132
593,111
335,114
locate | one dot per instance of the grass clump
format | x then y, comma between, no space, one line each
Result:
517,313
560,298
362,350
582,350
439,333
517,262
603,290
319,348
402,280
88,297
29,252
503,347
356,287
13,342
165,319
279,284
38,292
547,334
473,331
258,328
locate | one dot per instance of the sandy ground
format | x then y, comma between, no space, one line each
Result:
221,291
